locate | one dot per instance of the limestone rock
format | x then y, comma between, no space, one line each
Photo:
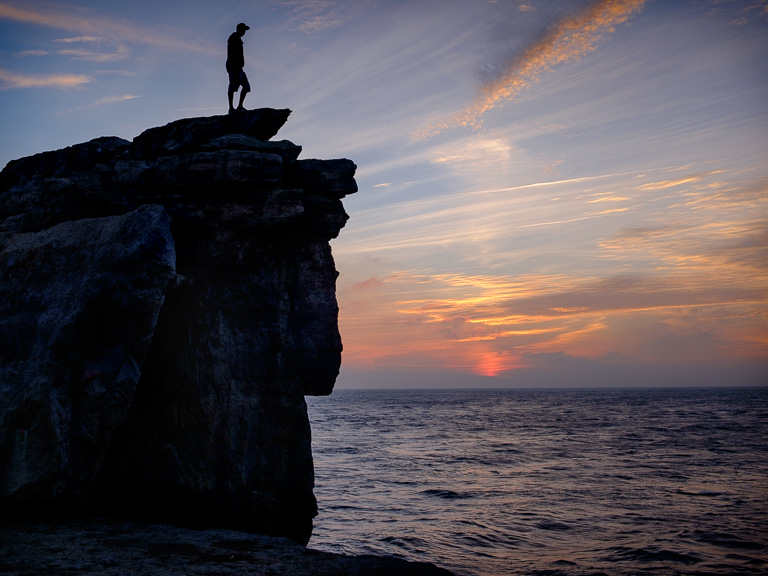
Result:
236,320
288,151
78,306
77,158
187,134
334,178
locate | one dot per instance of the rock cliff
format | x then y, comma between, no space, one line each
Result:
165,305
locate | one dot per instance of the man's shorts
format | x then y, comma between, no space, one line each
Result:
238,78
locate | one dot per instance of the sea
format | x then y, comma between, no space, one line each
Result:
546,482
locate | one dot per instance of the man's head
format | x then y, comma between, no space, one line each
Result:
241,28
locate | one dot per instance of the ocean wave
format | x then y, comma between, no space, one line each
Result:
446,494
650,554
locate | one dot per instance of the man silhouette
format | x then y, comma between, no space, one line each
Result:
235,64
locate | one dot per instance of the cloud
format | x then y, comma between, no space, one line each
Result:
106,100
664,184
25,53
489,324
312,16
566,40
87,25
117,72
683,276
80,39
92,56
741,13
101,49
10,80
114,99
368,284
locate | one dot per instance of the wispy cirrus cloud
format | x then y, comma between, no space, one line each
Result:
741,13
311,16
566,40
106,100
113,99
10,80
98,49
89,25
314,15
80,39
26,53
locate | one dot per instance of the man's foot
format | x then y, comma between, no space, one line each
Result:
241,109
232,110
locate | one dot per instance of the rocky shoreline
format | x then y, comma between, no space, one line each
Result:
106,547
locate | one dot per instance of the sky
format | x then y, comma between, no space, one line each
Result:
552,193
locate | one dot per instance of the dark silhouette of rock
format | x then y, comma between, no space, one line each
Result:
77,158
185,135
78,307
166,305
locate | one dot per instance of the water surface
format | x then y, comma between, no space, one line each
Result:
555,482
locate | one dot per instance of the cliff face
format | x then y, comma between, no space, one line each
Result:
165,305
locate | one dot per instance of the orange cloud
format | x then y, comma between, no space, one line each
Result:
664,184
488,330
567,40
704,294
682,278
368,284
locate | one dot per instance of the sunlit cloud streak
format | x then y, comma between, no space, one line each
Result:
87,25
106,100
79,39
26,53
566,40
9,80
102,49
664,184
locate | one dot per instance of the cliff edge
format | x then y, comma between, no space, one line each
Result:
165,305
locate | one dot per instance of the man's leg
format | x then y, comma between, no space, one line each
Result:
230,96
243,92
246,87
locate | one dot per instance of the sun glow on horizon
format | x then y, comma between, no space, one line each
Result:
690,279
